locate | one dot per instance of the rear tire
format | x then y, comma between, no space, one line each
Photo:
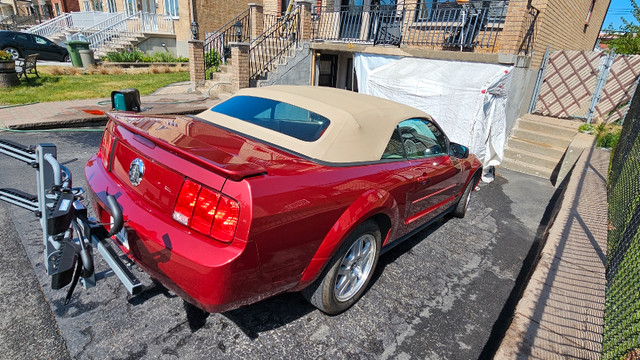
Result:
463,203
348,273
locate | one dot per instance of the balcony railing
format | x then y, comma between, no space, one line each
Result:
448,24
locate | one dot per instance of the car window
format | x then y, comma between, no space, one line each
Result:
22,37
394,148
40,40
421,138
276,115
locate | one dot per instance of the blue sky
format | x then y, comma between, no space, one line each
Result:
618,9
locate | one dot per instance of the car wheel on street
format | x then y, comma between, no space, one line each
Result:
346,277
66,58
463,203
13,51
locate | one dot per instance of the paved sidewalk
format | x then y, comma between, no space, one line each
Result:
561,312
69,113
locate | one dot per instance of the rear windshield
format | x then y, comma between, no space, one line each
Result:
279,116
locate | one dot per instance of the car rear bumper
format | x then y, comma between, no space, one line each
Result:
214,276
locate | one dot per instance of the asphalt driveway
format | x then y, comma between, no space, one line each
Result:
436,296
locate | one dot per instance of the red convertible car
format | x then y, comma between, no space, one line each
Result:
282,188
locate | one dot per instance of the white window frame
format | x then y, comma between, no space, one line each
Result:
171,9
111,6
130,7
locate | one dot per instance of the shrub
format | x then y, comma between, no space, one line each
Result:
5,55
212,62
607,136
135,55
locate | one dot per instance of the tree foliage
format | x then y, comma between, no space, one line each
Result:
628,39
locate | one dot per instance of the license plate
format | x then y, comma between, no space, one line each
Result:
122,236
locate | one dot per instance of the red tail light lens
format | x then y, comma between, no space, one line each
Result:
207,211
186,202
226,221
105,148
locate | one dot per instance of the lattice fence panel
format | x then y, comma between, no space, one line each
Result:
615,97
569,83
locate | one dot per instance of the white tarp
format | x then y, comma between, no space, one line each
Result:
468,100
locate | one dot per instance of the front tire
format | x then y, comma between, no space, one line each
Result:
66,58
348,273
463,203
13,51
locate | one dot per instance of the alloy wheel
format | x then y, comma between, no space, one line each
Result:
355,267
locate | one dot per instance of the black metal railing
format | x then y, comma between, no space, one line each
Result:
267,50
446,24
236,30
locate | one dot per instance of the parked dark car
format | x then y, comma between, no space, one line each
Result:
21,44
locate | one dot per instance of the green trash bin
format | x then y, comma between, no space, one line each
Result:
73,46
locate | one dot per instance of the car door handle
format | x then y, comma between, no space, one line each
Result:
424,179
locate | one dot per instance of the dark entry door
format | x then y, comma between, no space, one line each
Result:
328,70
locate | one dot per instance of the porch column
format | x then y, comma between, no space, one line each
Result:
196,62
239,65
305,19
256,20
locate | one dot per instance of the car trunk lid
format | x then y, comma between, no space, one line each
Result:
201,143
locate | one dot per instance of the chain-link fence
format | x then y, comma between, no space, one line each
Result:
622,306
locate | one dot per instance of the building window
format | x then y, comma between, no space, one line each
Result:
447,10
97,5
86,6
130,7
111,6
171,8
58,13
593,4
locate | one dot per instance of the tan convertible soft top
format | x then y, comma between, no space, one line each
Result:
361,125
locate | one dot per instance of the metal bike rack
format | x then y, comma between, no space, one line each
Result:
69,236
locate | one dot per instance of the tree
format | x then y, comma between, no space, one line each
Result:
628,40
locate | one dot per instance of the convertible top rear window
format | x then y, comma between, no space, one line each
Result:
279,116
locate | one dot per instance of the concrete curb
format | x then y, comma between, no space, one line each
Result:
560,313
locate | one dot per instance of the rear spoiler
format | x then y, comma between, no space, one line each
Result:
236,171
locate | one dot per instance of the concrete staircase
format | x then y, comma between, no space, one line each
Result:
120,43
285,62
220,84
537,144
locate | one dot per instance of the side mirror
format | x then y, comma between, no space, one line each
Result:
459,151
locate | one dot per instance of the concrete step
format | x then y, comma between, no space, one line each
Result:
529,158
221,76
544,127
535,147
225,68
542,138
566,123
523,167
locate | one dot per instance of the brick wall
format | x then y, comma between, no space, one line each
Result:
561,25
213,14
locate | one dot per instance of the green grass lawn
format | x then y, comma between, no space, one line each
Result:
71,87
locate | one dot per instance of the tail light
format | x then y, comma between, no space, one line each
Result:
207,211
105,148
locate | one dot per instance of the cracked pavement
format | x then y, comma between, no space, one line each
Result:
438,295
